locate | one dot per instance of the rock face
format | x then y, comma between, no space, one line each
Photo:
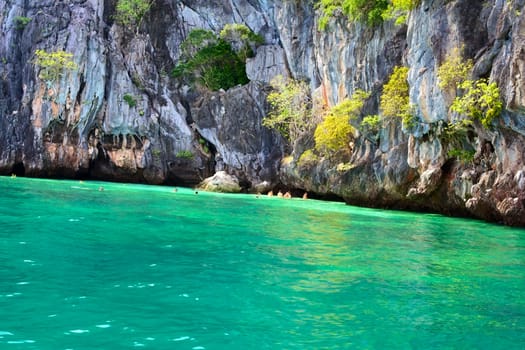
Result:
118,116
121,116
412,169
221,182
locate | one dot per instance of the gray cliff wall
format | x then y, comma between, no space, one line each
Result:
82,126
411,168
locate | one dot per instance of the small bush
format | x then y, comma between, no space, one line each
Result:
130,13
456,131
398,10
395,100
335,131
371,12
184,154
130,100
210,62
370,124
308,159
290,112
197,40
241,38
464,156
156,153
53,64
21,22
344,167
333,134
480,101
453,71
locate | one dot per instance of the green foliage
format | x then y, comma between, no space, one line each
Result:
463,155
21,22
395,100
204,145
130,100
129,13
370,124
453,71
197,40
333,134
399,9
156,153
372,12
344,167
53,64
210,62
241,38
350,107
184,154
480,101
335,131
455,137
456,131
308,159
290,108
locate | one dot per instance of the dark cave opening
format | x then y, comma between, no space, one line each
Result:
19,169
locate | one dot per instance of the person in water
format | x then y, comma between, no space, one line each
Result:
280,194
288,195
270,194
305,195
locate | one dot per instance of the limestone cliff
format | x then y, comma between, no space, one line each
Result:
83,124
412,169
119,115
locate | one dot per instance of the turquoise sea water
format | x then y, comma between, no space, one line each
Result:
141,266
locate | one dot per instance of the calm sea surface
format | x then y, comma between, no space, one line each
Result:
141,266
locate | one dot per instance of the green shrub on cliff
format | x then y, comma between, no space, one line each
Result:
335,131
399,9
371,12
185,154
453,71
395,100
210,62
480,101
129,13
241,38
130,100
21,22
53,64
371,124
197,40
368,11
290,112
307,159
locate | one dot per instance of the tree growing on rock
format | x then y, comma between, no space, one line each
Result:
371,12
210,61
480,101
53,64
130,13
395,101
242,40
453,71
290,108
335,132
